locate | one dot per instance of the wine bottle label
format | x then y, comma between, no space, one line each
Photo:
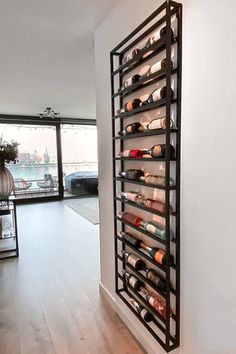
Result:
153,204
153,277
156,67
125,153
143,313
158,180
156,151
132,196
133,281
157,123
128,82
129,106
132,260
160,254
151,301
150,228
156,95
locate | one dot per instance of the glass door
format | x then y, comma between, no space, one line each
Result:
79,159
35,173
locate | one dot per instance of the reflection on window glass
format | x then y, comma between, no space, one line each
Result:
35,173
79,156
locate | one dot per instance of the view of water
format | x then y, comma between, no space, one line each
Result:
37,171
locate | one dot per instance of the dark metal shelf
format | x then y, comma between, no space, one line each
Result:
7,238
140,183
145,255
161,159
143,278
147,133
144,301
155,48
145,108
156,238
144,82
142,207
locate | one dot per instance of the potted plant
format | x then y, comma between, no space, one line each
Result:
8,153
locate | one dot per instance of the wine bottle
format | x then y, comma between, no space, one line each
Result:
160,65
133,197
133,260
130,105
154,229
159,150
135,154
157,180
159,34
131,280
130,239
132,174
157,95
131,218
159,123
156,205
157,254
132,128
130,81
155,301
155,278
144,314
130,55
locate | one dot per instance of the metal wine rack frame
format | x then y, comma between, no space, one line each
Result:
161,328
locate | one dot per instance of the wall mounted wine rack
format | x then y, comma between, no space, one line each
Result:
157,40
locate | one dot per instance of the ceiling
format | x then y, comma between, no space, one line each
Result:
47,55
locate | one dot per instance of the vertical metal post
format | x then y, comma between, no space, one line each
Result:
178,166
59,162
114,166
167,167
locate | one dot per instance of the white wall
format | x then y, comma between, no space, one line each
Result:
208,285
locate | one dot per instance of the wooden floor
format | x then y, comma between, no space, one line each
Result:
49,297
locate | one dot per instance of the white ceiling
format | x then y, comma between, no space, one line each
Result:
47,55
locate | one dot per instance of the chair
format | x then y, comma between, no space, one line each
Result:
48,184
21,185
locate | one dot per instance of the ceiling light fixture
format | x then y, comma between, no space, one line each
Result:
48,113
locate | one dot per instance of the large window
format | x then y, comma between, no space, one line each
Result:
36,171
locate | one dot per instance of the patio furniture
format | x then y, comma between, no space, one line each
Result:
21,185
48,184
82,183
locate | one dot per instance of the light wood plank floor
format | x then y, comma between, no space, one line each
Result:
49,298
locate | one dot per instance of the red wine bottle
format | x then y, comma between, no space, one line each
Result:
130,81
130,55
134,197
155,301
135,154
132,280
157,95
132,128
131,218
159,150
131,174
156,279
160,34
130,105
157,254
133,260
160,65
130,239
156,205
143,313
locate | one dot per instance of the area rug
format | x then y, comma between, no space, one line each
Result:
86,207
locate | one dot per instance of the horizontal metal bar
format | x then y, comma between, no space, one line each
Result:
160,159
144,82
139,28
145,108
145,134
140,183
142,207
158,339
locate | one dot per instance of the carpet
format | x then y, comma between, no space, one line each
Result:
86,207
